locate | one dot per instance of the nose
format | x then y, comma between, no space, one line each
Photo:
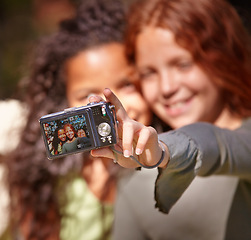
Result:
168,84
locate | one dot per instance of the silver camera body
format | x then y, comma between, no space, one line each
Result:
61,130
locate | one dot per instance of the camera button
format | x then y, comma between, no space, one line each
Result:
70,109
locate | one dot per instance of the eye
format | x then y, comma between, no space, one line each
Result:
84,97
184,65
146,74
126,85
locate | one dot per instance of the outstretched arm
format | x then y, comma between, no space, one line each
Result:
202,149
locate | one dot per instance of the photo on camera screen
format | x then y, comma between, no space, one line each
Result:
67,135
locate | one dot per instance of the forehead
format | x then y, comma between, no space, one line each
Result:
162,34
157,41
106,63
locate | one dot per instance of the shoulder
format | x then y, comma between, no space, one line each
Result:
246,123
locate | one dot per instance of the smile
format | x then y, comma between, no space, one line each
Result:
177,105
178,108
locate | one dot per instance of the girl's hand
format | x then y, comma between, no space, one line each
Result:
134,139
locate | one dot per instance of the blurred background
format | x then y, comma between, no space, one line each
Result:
22,22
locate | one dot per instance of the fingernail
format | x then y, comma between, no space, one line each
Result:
138,151
126,154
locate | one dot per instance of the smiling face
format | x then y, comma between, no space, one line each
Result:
61,135
93,70
176,88
69,132
81,133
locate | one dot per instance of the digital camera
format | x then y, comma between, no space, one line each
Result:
79,129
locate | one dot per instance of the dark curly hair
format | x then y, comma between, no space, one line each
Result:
33,180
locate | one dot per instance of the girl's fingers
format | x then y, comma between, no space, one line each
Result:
103,152
120,111
95,98
117,156
144,136
111,97
128,135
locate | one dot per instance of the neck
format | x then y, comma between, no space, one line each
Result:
228,120
71,140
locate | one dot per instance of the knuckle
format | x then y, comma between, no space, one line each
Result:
128,124
149,130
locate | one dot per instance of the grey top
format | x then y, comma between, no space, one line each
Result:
203,149
78,143
216,165
70,146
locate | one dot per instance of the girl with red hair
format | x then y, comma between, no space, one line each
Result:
193,59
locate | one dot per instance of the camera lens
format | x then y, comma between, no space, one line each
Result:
104,129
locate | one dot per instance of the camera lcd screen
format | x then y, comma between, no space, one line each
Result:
67,135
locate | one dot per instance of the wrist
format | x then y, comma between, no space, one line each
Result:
165,161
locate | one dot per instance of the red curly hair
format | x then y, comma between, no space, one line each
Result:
212,32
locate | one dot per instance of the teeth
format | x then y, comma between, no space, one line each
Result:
176,105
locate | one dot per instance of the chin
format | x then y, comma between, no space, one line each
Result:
178,123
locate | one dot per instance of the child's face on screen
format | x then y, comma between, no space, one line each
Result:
176,88
93,70
81,133
61,135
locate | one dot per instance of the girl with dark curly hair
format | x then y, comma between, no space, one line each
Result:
59,138
72,197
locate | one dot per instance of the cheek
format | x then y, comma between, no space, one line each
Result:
71,100
150,90
74,102
198,80
81,103
136,107
208,94
141,107
129,100
212,97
